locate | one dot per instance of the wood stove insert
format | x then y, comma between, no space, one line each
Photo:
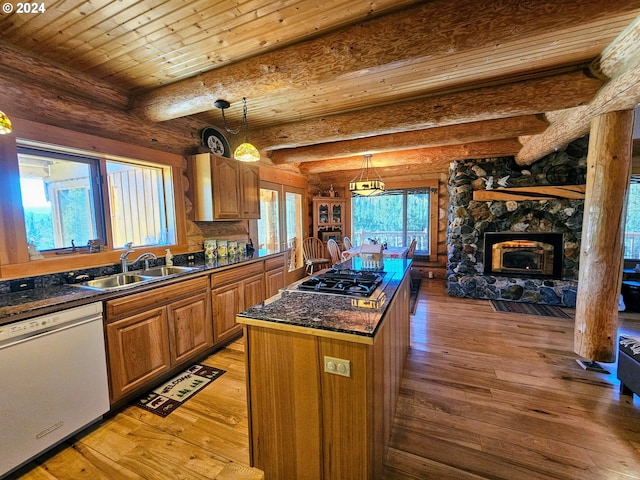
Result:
523,254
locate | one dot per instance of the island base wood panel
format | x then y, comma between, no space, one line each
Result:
308,424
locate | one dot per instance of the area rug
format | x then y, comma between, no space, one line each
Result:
413,294
528,309
170,395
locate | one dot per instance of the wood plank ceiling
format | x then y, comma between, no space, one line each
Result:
417,83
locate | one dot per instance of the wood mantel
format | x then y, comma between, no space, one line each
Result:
545,192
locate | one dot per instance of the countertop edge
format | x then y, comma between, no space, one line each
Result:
69,296
317,332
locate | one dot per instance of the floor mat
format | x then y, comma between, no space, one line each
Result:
529,308
170,395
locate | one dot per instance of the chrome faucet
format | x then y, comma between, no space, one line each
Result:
146,257
124,261
124,258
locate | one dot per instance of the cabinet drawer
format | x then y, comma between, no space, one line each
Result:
236,274
153,298
274,262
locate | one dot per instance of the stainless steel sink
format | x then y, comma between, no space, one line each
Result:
130,279
114,282
165,271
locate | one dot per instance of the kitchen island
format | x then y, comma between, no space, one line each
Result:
323,377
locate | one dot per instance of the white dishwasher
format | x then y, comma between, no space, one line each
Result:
53,381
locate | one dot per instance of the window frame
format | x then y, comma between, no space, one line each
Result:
102,203
283,190
97,197
635,180
14,254
432,187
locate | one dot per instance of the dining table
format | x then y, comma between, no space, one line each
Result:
389,252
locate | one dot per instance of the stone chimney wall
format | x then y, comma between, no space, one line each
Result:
470,219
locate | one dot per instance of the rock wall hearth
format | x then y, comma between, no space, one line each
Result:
470,219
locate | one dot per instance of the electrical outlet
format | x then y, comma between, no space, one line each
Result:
337,366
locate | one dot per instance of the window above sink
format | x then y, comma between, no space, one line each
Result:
65,206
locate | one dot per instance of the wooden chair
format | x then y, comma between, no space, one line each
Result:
346,243
412,249
314,255
410,253
334,251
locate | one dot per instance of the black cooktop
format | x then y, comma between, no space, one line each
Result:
343,282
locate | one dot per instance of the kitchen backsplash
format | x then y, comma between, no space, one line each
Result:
44,281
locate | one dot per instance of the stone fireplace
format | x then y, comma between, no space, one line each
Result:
523,254
523,250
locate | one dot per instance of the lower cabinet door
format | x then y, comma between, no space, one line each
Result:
226,302
274,280
138,349
190,328
253,291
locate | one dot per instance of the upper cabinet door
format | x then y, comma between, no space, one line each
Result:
223,188
226,189
250,188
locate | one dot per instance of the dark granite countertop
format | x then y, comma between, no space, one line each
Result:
28,303
328,314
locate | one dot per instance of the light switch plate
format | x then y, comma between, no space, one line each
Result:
337,366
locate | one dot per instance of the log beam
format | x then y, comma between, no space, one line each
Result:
16,61
25,97
601,250
404,36
528,97
497,129
621,62
426,158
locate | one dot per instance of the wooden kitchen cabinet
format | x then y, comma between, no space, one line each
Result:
329,218
190,327
138,349
226,302
224,189
233,291
274,275
250,191
152,332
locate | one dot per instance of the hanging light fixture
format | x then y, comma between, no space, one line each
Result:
245,152
364,186
5,124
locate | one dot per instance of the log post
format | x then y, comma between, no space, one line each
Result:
601,253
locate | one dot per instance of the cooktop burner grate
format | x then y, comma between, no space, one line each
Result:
343,282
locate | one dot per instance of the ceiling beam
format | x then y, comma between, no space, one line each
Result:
439,136
399,173
17,61
621,62
527,97
424,157
22,96
430,30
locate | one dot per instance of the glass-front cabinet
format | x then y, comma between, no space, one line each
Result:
328,218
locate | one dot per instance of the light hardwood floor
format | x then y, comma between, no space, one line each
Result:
485,395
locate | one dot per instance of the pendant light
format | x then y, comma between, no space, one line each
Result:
5,124
364,186
245,152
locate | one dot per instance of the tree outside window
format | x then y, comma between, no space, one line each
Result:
394,217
